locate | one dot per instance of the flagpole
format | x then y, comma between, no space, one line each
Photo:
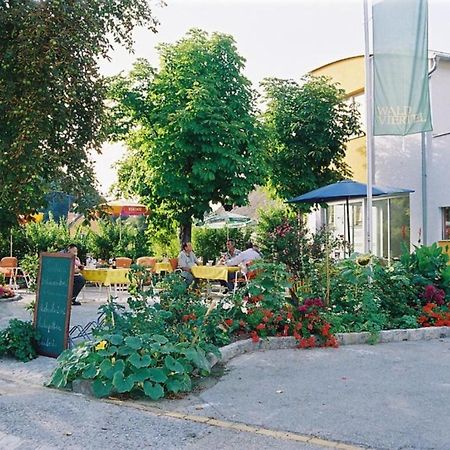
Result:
369,129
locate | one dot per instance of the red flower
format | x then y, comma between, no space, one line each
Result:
254,336
326,329
261,326
229,322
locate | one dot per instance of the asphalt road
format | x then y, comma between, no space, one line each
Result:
387,396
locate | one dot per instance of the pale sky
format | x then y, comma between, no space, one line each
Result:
278,38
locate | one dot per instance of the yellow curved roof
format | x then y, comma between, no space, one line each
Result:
348,72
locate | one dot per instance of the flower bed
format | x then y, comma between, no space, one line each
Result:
157,350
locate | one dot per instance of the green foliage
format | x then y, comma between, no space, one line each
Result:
283,237
19,340
142,364
308,126
119,238
191,129
270,284
51,95
354,302
36,237
210,243
398,295
150,350
429,264
30,264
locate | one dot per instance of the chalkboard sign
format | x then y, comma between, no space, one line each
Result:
53,302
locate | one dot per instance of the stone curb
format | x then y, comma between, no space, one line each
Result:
230,351
278,343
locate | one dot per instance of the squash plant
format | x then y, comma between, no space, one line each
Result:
119,364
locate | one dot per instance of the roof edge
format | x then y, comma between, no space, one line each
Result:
336,61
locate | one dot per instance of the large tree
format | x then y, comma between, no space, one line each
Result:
51,94
308,125
191,129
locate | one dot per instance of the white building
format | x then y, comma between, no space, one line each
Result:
420,162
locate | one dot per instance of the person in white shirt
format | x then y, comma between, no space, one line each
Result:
186,260
250,254
242,260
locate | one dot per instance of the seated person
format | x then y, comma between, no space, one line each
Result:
245,257
78,279
186,260
232,251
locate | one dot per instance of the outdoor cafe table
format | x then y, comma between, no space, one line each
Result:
213,272
107,277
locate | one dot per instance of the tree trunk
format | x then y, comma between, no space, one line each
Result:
185,232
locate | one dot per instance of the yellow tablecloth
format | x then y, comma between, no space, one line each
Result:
213,272
162,267
445,245
107,277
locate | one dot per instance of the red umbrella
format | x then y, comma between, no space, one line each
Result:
126,208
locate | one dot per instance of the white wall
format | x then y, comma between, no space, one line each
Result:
398,161
438,180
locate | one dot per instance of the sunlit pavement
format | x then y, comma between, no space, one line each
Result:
387,396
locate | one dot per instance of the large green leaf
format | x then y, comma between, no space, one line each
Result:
198,357
160,339
101,389
140,375
179,383
134,342
58,379
90,371
157,374
125,350
140,361
167,349
154,391
121,383
173,365
116,339
106,368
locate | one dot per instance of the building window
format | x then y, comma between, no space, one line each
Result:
446,223
391,225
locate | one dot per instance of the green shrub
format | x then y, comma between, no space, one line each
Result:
19,340
30,264
429,265
210,243
141,364
283,237
119,238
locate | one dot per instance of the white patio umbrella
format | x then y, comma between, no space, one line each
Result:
226,220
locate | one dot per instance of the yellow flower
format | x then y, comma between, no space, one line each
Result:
101,345
363,260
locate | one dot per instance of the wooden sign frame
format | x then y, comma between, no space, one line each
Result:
68,301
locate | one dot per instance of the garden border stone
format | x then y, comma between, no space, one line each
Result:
237,348
278,343
15,298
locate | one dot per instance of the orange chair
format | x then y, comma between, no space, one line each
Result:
9,267
123,262
146,261
174,263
